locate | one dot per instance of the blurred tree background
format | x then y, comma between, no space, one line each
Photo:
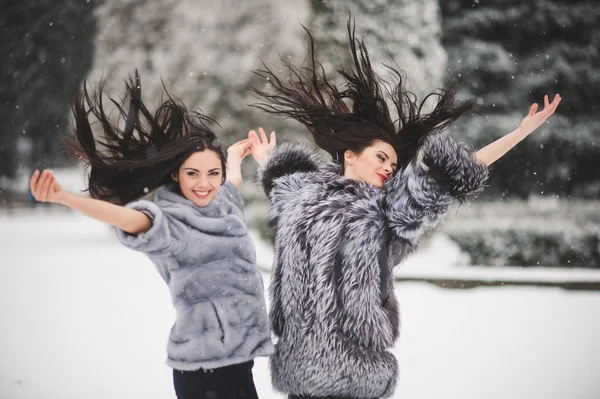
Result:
506,53
47,50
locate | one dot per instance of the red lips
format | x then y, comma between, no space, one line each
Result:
382,177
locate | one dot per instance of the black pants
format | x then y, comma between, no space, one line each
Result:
230,382
319,397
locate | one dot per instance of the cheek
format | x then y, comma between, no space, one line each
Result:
185,183
371,165
215,183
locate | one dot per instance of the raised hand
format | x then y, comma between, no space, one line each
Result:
45,188
261,147
534,119
239,150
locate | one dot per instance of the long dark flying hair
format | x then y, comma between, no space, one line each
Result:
305,94
124,165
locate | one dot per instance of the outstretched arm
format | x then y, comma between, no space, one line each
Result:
494,151
45,188
421,194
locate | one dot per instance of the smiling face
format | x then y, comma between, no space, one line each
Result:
374,165
200,177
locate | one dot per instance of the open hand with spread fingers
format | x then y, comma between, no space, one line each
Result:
45,188
534,119
261,147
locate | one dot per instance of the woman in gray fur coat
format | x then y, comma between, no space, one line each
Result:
340,227
193,231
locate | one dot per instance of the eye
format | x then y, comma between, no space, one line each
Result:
381,158
190,173
214,173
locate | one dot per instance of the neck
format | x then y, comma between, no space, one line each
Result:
349,173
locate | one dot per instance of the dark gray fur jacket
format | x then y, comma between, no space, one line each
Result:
333,331
207,258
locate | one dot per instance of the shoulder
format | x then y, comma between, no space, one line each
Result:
289,159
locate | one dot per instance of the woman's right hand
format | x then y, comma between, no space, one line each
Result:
261,147
45,188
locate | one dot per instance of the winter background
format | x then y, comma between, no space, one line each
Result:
502,300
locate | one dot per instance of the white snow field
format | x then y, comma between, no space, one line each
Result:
83,317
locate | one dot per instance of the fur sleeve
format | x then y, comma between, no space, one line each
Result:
155,241
454,166
284,174
287,159
423,192
276,313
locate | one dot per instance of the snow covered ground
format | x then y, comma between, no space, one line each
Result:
83,317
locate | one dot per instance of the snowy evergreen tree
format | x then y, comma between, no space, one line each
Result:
402,33
509,54
46,51
204,51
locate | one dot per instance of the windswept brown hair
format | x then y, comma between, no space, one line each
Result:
306,95
126,164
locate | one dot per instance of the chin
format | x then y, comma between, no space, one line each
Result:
377,182
202,202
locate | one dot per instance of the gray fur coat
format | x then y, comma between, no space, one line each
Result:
207,258
333,331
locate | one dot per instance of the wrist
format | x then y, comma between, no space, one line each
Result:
233,160
64,198
523,132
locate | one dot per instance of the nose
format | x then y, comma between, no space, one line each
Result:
388,170
202,182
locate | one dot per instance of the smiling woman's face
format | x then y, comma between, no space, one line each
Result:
200,177
374,165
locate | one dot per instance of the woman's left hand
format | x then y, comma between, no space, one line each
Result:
262,147
239,150
535,119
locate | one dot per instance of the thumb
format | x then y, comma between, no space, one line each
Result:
533,109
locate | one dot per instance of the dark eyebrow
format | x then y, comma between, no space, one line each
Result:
197,171
387,157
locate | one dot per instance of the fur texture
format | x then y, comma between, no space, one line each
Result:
207,258
333,338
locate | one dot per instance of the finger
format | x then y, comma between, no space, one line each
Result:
533,109
273,139
39,184
554,105
546,102
557,102
33,180
242,142
44,186
50,188
253,142
263,136
252,136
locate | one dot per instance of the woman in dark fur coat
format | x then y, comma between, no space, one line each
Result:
342,226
